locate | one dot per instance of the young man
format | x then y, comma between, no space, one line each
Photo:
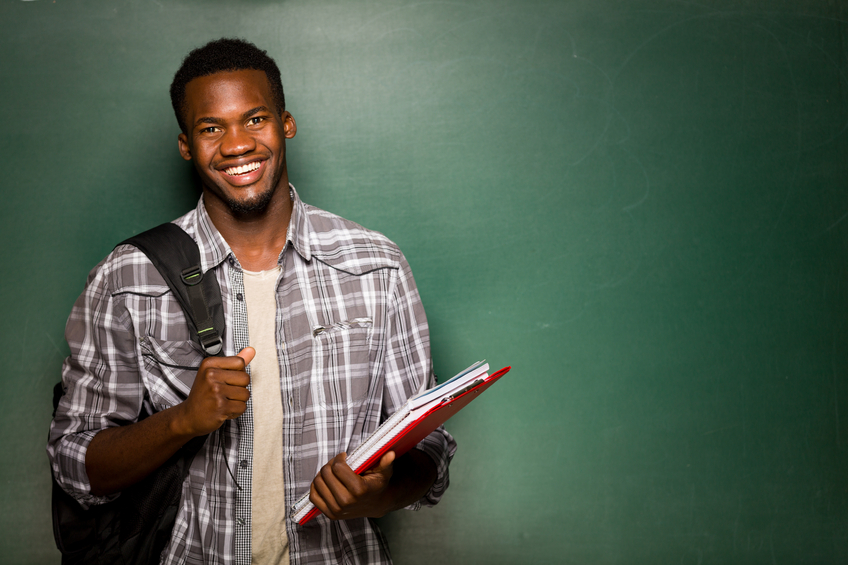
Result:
326,337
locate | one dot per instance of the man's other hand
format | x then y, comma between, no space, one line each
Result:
341,494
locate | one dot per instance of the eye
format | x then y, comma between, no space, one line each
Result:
210,129
256,120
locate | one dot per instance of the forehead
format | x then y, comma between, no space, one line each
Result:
219,94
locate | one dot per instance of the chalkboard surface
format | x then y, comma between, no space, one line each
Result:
640,205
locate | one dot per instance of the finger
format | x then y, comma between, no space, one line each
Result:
248,353
237,393
319,502
344,486
232,376
232,409
234,363
344,481
331,493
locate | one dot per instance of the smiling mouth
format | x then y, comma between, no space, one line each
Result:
242,169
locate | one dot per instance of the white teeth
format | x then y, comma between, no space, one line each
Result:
240,170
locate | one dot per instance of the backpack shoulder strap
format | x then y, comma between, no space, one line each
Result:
175,255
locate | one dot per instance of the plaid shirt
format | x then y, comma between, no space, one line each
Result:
353,345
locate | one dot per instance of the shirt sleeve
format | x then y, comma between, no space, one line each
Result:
409,371
102,385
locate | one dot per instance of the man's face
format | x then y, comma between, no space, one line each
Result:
236,139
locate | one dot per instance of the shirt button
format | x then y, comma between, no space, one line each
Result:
240,521
239,297
291,402
243,463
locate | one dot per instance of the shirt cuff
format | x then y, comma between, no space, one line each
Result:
68,466
440,446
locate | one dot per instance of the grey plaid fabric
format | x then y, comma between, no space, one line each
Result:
353,345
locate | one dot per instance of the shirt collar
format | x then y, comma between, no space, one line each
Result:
212,245
298,234
214,249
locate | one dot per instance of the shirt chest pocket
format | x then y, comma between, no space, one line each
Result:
341,363
169,368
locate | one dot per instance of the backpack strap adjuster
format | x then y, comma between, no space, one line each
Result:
192,275
210,341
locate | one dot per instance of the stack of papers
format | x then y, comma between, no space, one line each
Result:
414,421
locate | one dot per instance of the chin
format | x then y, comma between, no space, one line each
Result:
256,204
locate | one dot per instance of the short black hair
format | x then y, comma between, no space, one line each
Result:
223,55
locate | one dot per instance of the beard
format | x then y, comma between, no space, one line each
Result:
255,205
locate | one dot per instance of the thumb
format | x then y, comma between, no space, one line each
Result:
248,353
385,462
383,471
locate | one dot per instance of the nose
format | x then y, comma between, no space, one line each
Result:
237,141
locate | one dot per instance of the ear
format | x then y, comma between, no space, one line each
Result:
289,125
185,150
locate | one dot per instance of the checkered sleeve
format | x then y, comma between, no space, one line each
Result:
409,371
102,387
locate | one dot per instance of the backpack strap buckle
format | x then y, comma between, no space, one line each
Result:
192,275
210,341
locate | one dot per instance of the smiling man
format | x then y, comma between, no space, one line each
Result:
325,338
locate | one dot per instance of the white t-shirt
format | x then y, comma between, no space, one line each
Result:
269,544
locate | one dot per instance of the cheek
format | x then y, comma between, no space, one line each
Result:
203,153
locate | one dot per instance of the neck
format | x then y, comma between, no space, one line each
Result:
256,238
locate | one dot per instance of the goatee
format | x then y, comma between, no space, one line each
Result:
257,204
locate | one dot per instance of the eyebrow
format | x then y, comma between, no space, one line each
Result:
219,121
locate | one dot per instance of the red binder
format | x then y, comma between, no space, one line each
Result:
409,434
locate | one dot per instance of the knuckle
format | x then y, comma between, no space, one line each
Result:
334,507
345,501
207,367
358,490
208,376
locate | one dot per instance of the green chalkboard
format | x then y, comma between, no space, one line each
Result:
640,205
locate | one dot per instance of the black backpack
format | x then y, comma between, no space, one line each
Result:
136,527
